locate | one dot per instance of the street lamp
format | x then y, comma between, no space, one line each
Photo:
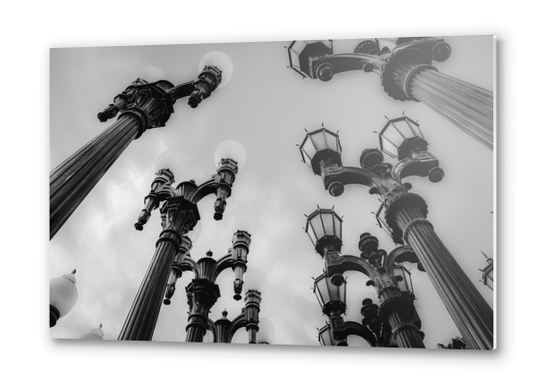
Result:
396,312
179,214
145,104
405,216
63,294
405,68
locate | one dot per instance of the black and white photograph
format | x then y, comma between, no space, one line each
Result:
317,193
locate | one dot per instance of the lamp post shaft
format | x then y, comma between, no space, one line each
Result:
396,311
72,180
468,107
470,312
202,295
406,333
195,334
141,320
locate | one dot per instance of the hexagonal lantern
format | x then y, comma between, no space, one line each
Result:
320,146
325,337
300,53
324,228
401,137
403,278
332,298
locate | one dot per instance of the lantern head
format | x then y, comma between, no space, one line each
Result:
321,147
302,53
401,137
324,228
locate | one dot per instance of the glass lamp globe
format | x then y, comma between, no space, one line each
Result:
95,334
195,232
63,293
150,73
231,149
255,280
171,160
242,220
266,331
222,62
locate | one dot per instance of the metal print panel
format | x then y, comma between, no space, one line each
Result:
318,193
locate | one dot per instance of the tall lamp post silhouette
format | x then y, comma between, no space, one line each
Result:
405,68
406,213
396,320
179,213
145,104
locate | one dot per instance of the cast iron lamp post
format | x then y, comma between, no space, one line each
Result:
143,105
406,214
63,295
179,213
260,330
406,73
396,312
203,292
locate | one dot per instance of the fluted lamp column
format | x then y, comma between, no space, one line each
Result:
63,295
405,68
147,103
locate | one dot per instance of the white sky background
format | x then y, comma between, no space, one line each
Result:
265,107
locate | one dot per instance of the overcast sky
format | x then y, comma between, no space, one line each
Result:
266,107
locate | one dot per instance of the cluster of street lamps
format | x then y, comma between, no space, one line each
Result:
406,71
179,216
145,104
405,215
395,323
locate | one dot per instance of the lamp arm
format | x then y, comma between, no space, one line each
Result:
181,90
161,189
211,327
212,186
353,328
239,322
220,184
350,175
398,255
120,102
354,263
420,164
189,264
224,262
